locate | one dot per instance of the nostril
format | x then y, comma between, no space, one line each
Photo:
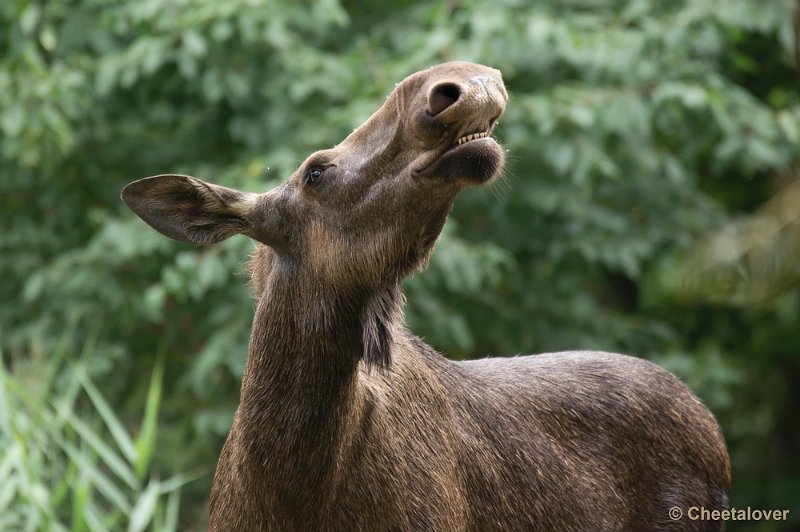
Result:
443,96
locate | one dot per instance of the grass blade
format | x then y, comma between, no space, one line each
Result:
104,451
80,501
12,460
146,441
8,488
177,482
104,485
118,432
145,508
170,521
94,521
5,407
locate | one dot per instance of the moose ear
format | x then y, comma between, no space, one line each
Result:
190,210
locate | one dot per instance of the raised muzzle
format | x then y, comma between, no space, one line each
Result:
472,95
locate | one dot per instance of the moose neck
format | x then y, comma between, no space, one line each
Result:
305,346
300,390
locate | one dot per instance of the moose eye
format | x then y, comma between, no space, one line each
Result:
314,175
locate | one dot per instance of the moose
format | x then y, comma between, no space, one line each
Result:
347,421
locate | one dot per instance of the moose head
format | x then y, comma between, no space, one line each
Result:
367,211
362,215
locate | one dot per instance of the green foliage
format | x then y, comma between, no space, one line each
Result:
68,461
643,138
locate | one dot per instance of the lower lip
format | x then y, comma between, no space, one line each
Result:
473,141
456,148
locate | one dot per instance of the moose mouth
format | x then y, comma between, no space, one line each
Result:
474,158
481,133
473,136
484,132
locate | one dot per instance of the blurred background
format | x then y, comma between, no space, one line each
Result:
651,205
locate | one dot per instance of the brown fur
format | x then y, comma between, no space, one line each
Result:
349,422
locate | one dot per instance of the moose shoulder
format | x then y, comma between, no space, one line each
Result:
347,421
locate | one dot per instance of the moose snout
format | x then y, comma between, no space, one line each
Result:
471,93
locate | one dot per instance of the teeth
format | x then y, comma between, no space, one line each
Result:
472,136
